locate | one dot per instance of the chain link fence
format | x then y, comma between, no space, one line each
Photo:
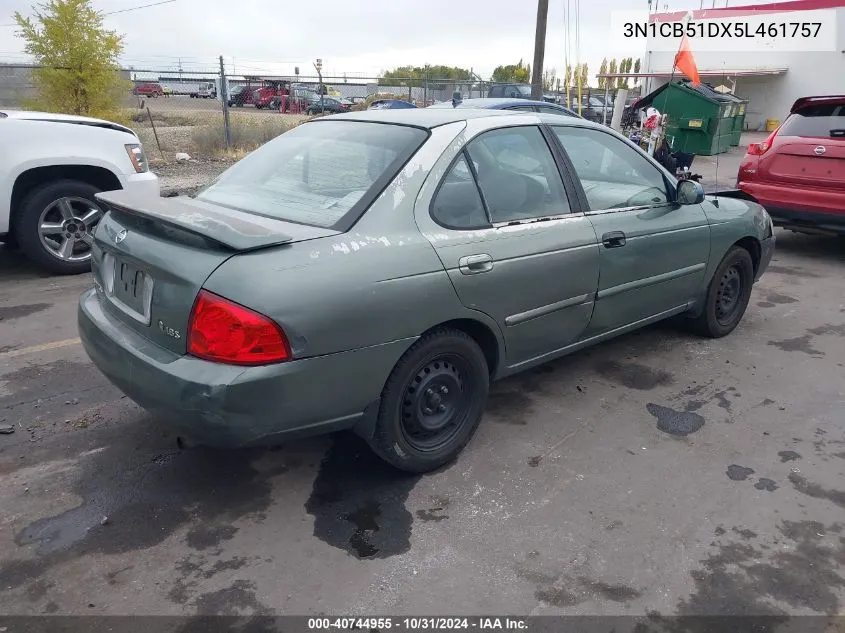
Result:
218,112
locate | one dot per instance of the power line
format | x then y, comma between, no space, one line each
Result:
143,6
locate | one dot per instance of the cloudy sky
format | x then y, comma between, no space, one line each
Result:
358,38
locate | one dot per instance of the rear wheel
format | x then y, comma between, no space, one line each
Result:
56,226
727,295
433,402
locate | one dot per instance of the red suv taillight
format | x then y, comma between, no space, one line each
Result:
758,149
225,332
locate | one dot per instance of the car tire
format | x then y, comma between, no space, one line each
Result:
46,205
727,295
432,402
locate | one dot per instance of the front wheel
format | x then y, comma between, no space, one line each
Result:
433,402
727,295
56,226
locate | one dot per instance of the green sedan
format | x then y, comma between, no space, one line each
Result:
377,270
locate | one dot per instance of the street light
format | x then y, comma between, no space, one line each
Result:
318,65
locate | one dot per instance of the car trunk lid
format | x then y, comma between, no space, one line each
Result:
151,257
809,148
813,162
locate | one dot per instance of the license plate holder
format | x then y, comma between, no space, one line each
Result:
130,288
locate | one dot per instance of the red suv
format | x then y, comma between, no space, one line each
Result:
798,172
149,90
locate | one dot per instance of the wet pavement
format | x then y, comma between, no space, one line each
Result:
657,473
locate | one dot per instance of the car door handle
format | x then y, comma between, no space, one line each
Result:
474,264
614,239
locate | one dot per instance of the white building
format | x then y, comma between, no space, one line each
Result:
770,76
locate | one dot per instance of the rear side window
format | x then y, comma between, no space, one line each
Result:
824,120
318,172
458,204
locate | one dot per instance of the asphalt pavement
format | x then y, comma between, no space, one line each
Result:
657,473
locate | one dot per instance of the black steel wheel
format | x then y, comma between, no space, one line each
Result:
433,402
727,295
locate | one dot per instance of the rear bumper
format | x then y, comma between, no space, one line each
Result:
228,406
820,210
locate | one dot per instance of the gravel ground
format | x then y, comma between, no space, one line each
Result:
186,178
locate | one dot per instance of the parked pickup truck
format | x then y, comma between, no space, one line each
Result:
205,91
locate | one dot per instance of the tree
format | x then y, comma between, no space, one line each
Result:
419,75
567,82
603,70
637,67
585,78
549,79
612,69
624,67
512,73
78,71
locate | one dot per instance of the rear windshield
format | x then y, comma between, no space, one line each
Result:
316,173
821,120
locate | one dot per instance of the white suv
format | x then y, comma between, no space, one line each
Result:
51,167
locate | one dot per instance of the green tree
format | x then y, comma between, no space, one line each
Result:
513,73
585,77
602,70
549,79
637,66
418,75
624,67
78,71
612,68
567,83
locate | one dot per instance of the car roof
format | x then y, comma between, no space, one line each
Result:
419,117
435,117
493,103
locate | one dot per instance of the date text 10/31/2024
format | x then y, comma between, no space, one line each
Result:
418,624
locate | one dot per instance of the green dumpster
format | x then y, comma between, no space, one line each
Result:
739,122
700,120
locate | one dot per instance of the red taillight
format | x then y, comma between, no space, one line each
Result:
225,332
758,149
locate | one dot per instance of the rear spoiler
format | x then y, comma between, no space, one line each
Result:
805,101
235,230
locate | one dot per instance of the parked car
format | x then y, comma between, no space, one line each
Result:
51,170
594,109
510,91
240,95
327,104
207,90
526,105
394,261
798,172
391,104
148,90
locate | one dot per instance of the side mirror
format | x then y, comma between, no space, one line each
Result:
690,192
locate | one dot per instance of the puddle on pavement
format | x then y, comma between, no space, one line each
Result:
358,501
677,423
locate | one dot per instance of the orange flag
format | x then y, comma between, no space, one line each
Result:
685,62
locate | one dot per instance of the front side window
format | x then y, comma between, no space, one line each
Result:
613,174
316,173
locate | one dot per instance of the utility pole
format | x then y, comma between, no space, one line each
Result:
539,49
224,94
